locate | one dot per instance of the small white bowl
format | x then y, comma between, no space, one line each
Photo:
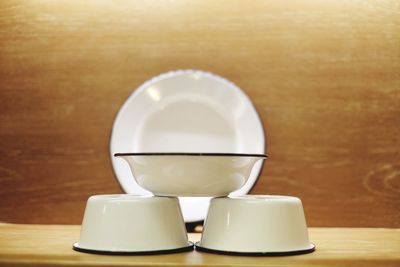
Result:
130,224
191,174
255,225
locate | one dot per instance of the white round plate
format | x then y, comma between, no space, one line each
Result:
186,111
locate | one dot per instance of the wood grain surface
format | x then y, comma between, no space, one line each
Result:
324,76
51,245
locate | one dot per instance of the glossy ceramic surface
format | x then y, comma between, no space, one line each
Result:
186,111
129,223
256,224
191,174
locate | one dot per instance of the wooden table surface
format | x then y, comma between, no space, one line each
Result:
42,245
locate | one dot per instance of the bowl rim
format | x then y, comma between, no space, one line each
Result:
191,154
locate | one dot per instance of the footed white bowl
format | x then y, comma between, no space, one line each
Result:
191,174
130,224
255,225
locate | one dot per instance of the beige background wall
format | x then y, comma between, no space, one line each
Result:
324,76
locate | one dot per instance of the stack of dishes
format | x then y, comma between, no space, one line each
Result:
193,135
186,111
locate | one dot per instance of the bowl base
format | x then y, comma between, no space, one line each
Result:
199,248
189,247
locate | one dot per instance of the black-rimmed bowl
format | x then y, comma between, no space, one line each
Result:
191,174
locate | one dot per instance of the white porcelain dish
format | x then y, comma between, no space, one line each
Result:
186,111
129,224
191,174
255,225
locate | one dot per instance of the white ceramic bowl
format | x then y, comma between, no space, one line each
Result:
255,225
129,224
191,174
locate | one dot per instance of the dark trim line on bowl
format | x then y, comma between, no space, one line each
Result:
190,247
191,154
253,254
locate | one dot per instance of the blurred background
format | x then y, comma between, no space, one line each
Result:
323,75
